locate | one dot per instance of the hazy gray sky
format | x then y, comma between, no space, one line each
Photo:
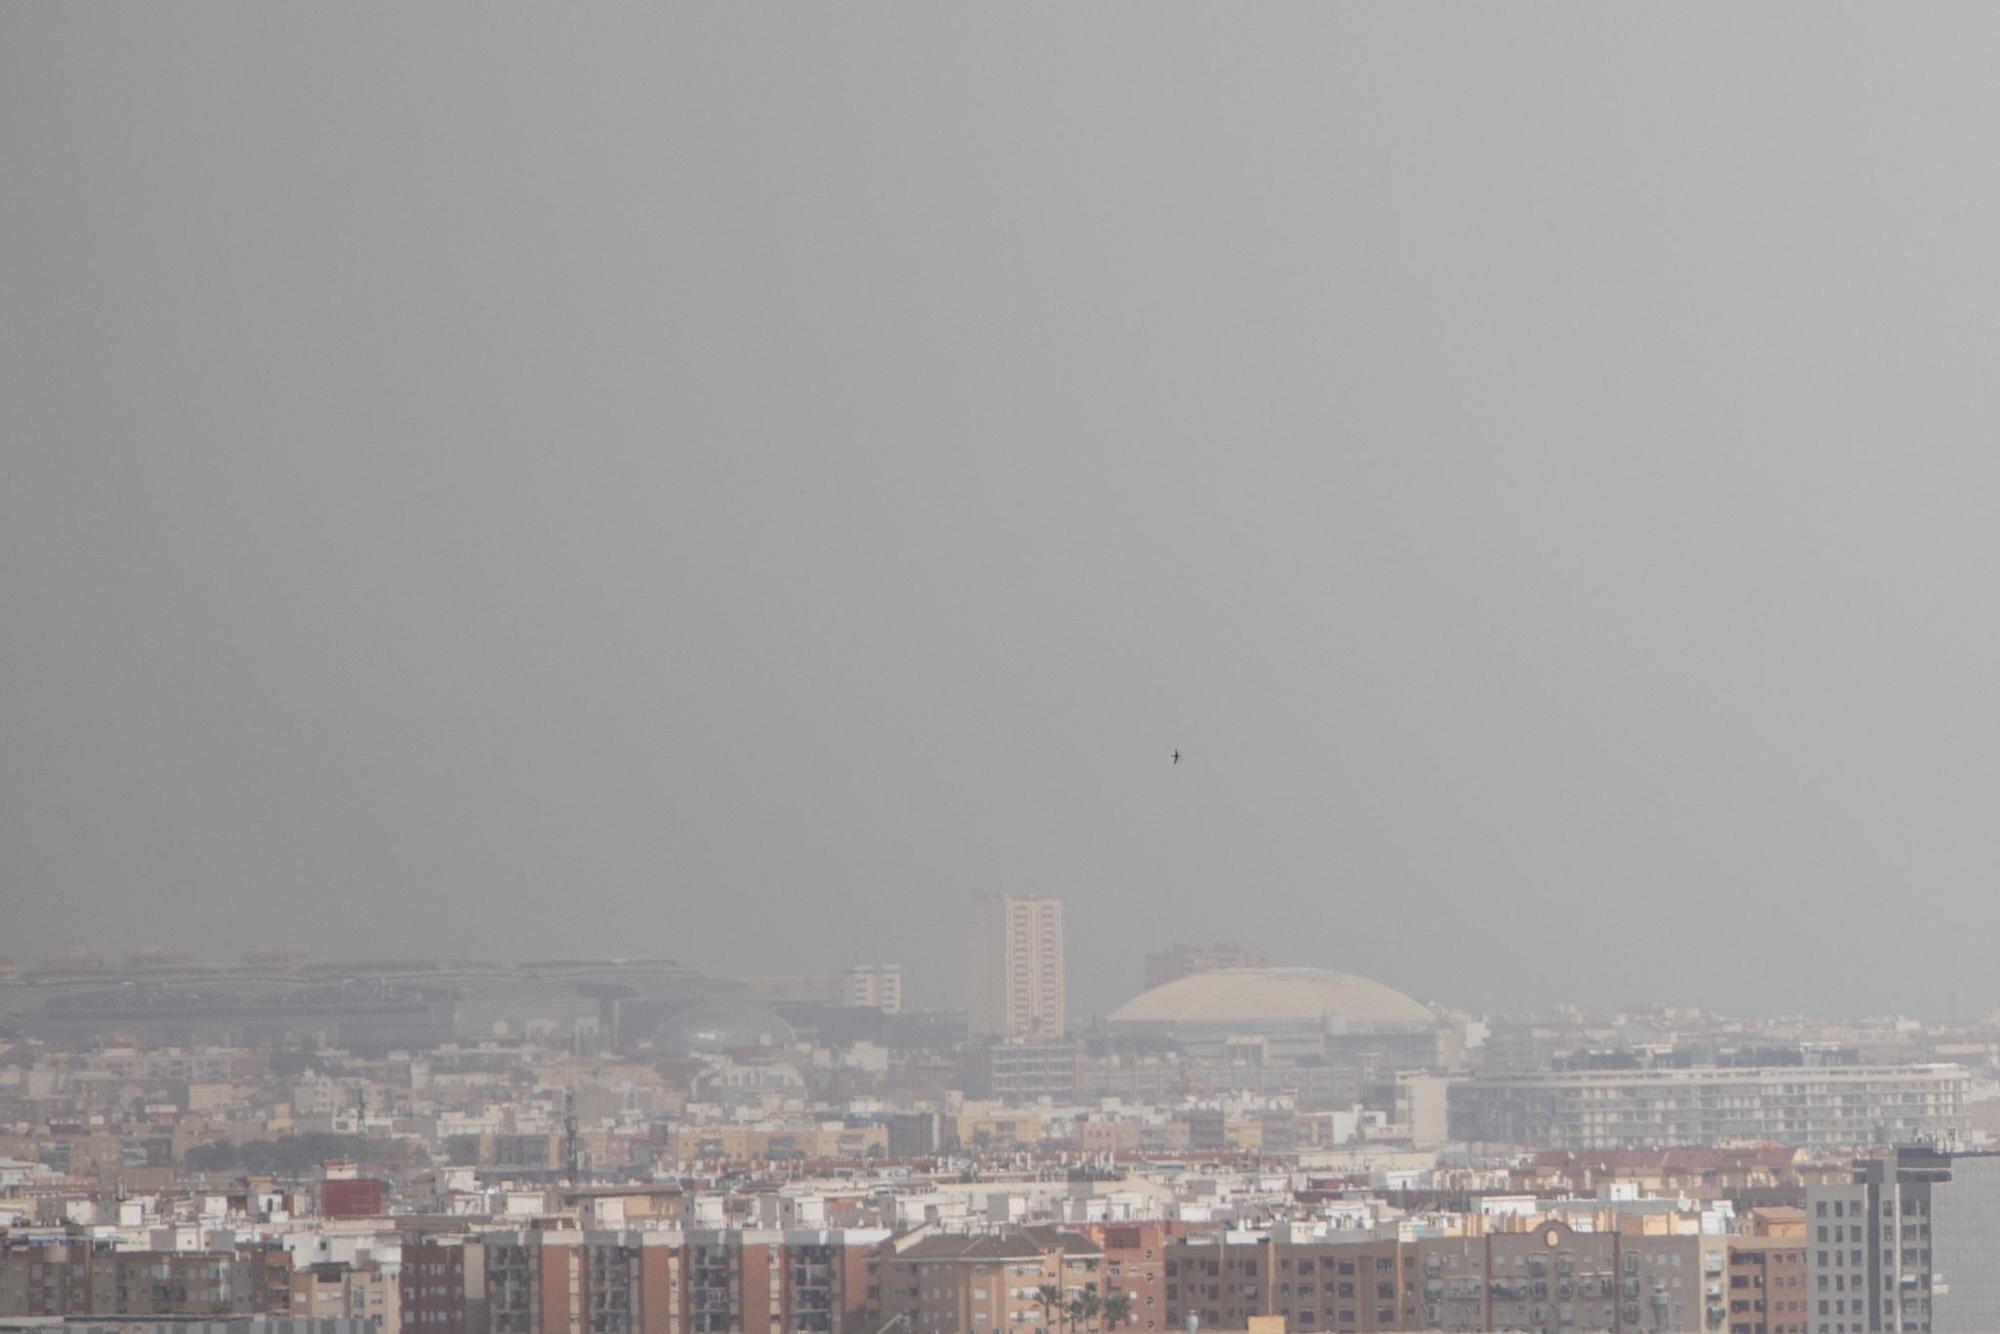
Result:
733,481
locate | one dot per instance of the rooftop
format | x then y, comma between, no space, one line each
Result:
1271,995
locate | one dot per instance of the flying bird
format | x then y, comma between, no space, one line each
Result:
1177,757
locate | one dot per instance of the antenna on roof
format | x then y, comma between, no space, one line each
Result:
572,1141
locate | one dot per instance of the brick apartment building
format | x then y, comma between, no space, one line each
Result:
1224,1280
569,1281
1135,1263
950,1282
353,1197
73,1276
1767,1285
443,1283
1550,1278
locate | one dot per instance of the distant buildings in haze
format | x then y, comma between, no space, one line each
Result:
1015,984
873,986
1815,1106
1178,961
868,986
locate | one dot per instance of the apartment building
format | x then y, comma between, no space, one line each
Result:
1671,1282
1135,1264
364,1292
1015,969
77,1277
45,1278
1225,1279
443,1283
694,1141
740,1281
874,986
1551,1278
173,1324
1910,1244
985,1128
1824,1107
1020,1072
956,1283
1767,1285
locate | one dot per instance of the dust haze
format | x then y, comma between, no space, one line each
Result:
731,483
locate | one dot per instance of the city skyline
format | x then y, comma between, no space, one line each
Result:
630,1146
722,669
858,980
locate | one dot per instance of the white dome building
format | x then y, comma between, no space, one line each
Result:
1253,999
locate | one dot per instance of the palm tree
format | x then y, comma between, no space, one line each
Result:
1117,1310
1084,1310
1050,1298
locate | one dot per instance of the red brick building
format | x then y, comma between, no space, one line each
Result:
1135,1263
353,1197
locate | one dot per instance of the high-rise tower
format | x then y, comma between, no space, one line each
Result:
1014,974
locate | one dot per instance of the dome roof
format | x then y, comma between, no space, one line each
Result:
1271,996
722,1025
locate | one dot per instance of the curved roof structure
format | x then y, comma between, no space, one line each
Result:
722,1025
1271,996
